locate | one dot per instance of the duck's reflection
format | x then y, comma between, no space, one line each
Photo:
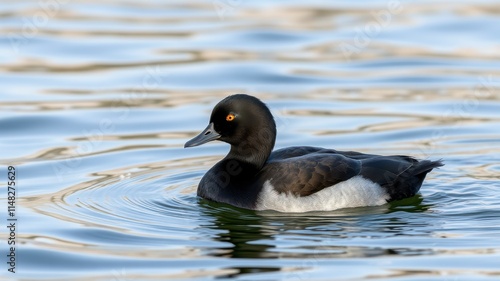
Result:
344,233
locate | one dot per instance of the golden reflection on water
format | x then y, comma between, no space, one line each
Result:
59,153
277,19
57,244
125,98
318,54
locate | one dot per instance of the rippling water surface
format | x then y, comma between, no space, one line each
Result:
98,98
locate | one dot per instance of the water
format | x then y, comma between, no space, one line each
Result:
98,98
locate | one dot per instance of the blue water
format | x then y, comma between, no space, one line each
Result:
97,99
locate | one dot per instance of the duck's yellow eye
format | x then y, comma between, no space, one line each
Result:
230,117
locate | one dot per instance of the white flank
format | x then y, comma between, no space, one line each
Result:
355,192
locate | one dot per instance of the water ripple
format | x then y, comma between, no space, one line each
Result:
119,202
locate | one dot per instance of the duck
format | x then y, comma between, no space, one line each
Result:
300,178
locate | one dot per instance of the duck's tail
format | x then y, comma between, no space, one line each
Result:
425,166
412,181
401,176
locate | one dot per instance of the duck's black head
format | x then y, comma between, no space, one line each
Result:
246,123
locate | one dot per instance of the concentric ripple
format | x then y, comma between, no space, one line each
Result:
152,205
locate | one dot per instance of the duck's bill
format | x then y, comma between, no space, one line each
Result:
209,134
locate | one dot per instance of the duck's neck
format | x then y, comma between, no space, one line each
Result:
255,150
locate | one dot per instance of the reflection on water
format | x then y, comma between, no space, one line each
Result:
272,234
98,99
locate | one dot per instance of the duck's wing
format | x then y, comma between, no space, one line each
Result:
303,171
309,173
